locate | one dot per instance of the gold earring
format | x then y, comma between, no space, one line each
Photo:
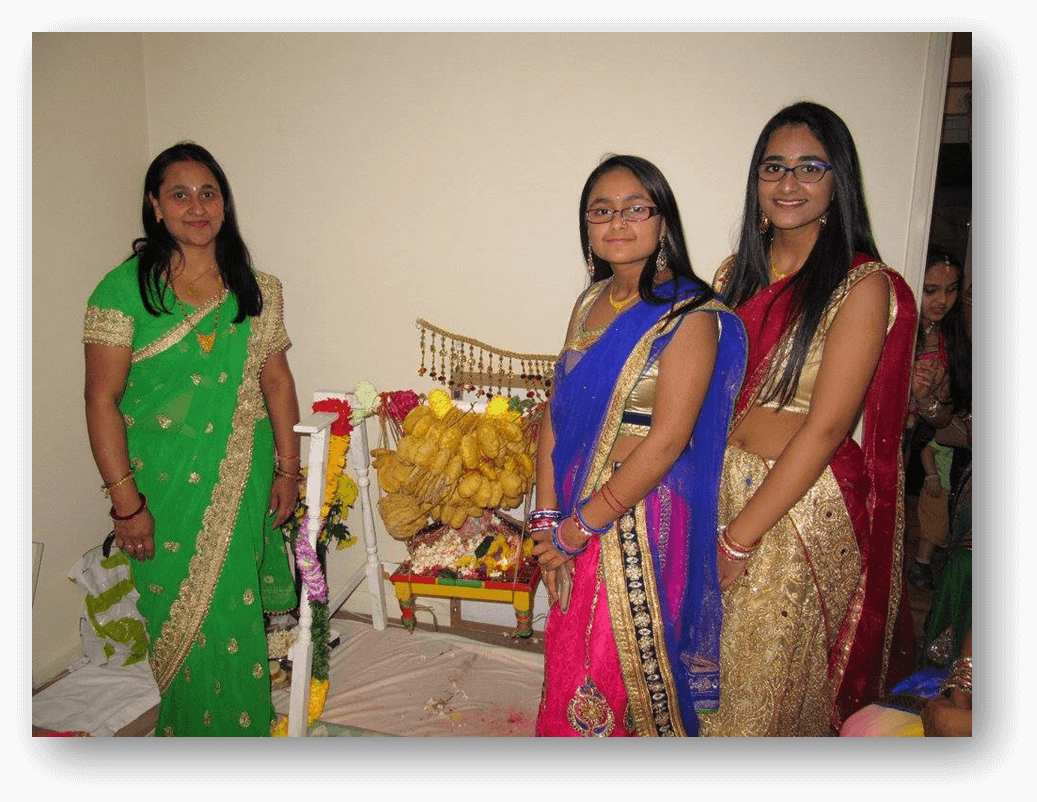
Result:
824,219
764,223
590,262
660,260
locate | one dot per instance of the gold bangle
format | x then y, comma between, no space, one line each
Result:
286,475
106,489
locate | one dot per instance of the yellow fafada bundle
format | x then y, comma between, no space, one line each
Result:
451,465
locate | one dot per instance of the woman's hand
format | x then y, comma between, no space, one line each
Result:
136,537
948,717
932,485
926,378
284,496
547,555
730,571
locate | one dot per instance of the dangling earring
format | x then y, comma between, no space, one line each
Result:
590,262
660,260
764,223
823,219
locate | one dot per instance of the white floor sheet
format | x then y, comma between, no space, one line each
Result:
428,684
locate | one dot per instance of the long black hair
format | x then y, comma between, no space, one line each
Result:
952,329
156,248
846,233
673,244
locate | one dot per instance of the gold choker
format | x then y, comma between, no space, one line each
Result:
618,306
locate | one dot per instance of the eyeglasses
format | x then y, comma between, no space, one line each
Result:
809,173
632,214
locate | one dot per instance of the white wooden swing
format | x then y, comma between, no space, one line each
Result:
317,426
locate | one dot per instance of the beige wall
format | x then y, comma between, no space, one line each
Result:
386,177
89,153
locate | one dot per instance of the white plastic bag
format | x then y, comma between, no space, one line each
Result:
111,628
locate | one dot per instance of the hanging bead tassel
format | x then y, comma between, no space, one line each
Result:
461,371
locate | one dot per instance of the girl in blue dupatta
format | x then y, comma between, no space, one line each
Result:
628,468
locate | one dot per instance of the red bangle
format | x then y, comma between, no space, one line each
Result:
134,514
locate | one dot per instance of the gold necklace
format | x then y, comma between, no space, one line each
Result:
192,288
618,306
205,341
774,272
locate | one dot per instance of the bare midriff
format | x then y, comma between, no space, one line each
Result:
766,432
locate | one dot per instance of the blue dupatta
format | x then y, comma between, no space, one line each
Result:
676,521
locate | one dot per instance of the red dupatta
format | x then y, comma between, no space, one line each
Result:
876,639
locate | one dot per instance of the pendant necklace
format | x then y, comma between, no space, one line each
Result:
192,287
588,711
618,306
205,341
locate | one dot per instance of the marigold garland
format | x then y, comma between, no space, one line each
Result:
318,698
340,493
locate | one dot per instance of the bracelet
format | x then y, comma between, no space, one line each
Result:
106,489
542,519
960,677
582,525
134,514
932,407
294,456
732,550
929,476
559,544
286,475
614,503
730,555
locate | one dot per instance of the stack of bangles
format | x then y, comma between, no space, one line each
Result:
735,552
279,471
544,519
549,520
960,678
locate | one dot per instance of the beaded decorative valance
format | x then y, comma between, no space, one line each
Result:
463,364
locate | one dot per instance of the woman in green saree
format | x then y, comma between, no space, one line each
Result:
189,397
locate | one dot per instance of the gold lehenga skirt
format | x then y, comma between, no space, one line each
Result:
782,614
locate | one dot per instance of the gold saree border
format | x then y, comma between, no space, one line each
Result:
179,331
640,639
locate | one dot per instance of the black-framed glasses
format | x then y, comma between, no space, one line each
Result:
809,173
632,214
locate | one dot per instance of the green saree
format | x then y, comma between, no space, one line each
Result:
202,446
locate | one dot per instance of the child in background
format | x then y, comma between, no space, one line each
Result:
933,511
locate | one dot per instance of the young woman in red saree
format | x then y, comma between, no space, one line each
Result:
810,546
